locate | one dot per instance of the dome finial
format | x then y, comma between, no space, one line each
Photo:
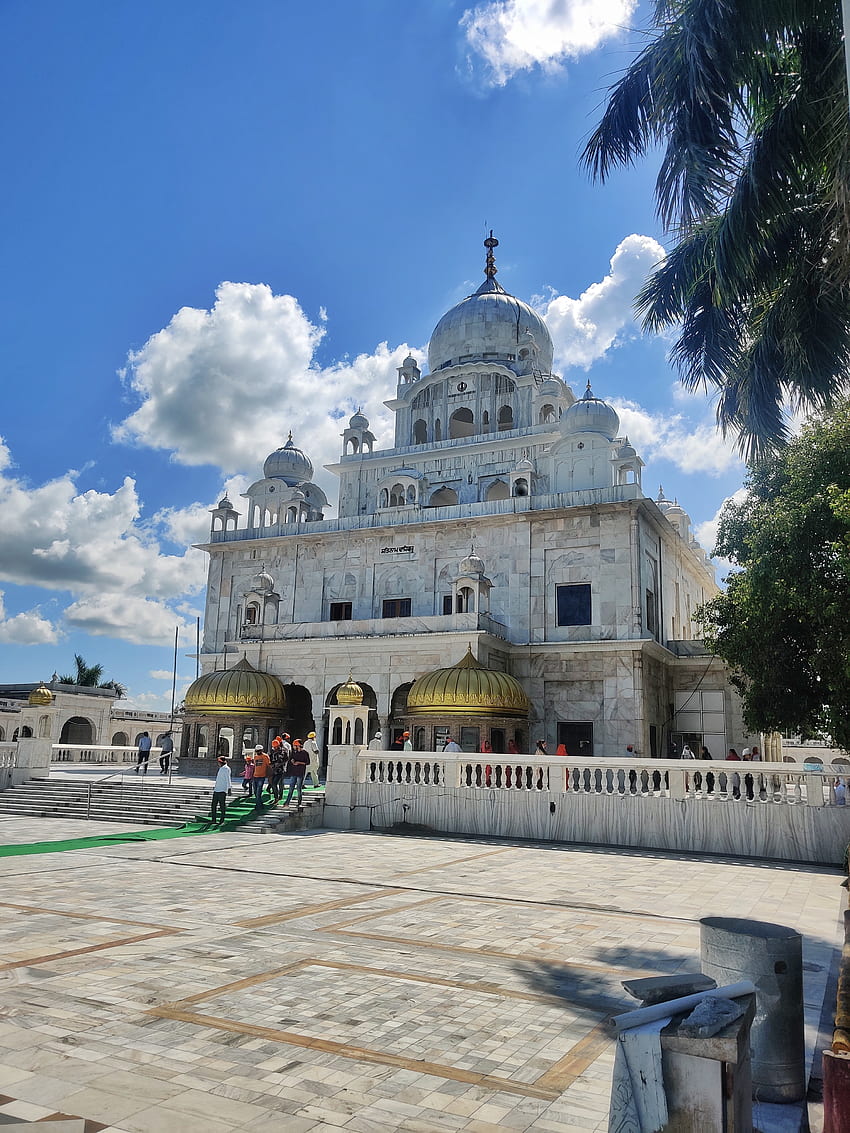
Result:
490,268
588,391
289,438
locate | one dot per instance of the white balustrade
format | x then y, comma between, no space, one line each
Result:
96,753
711,781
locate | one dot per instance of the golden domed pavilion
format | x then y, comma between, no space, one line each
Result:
470,703
231,709
40,697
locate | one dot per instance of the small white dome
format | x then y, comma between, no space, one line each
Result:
359,421
289,464
625,451
472,564
591,415
263,582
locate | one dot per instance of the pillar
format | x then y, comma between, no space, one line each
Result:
341,810
32,759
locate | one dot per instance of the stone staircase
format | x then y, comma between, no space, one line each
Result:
144,804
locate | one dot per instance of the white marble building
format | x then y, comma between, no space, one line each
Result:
508,515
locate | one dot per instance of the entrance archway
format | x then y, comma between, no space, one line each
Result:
77,730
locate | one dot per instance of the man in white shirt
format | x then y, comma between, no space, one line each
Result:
221,789
312,749
451,745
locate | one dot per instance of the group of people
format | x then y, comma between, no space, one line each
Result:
286,764
143,753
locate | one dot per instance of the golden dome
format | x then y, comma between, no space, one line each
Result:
240,691
350,693
40,697
467,689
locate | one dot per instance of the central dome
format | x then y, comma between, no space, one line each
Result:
289,464
489,324
467,689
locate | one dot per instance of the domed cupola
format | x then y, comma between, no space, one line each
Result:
472,564
263,582
591,415
466,690
289,464
358,420
661,501
491,324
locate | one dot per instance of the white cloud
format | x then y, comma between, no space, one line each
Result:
27,628
706,533
517,35
132,618
96,546
584,329
225,386
689,446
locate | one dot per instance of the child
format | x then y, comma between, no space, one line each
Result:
248,773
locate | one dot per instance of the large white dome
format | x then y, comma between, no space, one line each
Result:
489,324
289,464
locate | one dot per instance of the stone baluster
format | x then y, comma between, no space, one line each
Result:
814,788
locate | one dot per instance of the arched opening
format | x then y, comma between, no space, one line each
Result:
520,486
465,600
627,475
252,614
443,497
485,422
354,445
385,498
2,734
438,430
498,490
292,515
77,730
506,418
299,710
358,731
411,494
420,432
26,733
120,740
461,424
397,495
44,727
398,712
547,415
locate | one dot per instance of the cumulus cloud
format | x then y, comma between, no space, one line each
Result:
584,329
141,621
516,35
96,546
225,386
689,446
27,628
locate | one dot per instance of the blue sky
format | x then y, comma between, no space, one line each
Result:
223,221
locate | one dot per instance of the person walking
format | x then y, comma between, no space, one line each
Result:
312,750
247,772
143,754
295,773
166,750
278,758
221,789
262,764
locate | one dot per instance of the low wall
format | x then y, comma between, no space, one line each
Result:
646,804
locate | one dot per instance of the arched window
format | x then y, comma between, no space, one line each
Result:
506,418
443,497
461,424
2,734
358,731
26,732
438,430
397,495
520,487
485,422
44,727
120,740
355,445
252,614
465,600
498,490
292,515
385,498
547,415
411,494
420,432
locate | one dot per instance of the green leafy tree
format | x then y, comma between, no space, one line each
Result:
782,624
89,676
748,101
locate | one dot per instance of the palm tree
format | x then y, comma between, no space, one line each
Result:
89,676
748,100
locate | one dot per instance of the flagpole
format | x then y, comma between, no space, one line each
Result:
173,695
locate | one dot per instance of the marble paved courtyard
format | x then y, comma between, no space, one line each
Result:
326,981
